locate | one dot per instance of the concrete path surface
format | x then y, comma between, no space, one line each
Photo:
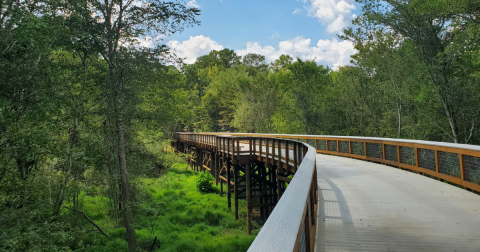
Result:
371,207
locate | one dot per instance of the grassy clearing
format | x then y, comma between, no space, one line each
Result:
182,218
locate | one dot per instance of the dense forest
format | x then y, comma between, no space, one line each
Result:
415,75
86,112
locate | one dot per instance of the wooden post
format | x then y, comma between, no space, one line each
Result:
295,152
279,163
229,189
215,166
260,189
235,189
365,148
416,157
260,147
221,180
267,144
279,185
383,151
399,156
273,151
249,197
437,166
287,153
462,168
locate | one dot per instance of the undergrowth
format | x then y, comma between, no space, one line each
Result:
181,217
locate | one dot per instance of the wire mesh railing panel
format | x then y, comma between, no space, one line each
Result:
407,155
426,159
449,163
471,166
358,148
343,146
391,152
311,142
321,145
332,145
374,150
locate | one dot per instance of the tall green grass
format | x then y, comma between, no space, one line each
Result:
182,218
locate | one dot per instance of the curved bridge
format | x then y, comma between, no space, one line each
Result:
358,205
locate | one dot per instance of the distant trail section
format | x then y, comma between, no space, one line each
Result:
364,206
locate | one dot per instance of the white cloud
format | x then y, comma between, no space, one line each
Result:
336,14
193,4
194,47
296,11
333,53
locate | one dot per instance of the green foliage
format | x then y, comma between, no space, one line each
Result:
442,37
205,182
415,75
72,87
184,218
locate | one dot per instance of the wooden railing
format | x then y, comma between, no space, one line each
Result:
289,226
456,163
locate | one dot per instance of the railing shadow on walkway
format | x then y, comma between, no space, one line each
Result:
287,227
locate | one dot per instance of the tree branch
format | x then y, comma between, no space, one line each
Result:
449,135
88,219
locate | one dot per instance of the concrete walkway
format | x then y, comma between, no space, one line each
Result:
371,207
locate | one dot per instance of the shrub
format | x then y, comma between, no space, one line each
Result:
205,182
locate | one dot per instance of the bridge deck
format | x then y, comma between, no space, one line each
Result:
371,207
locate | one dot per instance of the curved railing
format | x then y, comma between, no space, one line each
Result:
456,163
285,229
291,225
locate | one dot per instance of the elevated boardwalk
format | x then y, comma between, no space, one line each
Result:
365,206
348,200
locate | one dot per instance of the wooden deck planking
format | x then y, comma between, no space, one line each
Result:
365,206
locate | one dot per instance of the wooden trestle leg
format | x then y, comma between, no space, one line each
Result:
249,197
235,189
258,178
229,187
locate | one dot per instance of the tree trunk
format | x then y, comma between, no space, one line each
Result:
451,119
399,111
124,184
440,80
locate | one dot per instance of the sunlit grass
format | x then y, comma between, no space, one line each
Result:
182,218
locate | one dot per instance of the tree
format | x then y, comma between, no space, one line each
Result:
120,23
255,63
393,68
432,27
308,83
282,62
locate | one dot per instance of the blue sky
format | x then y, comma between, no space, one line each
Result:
301,28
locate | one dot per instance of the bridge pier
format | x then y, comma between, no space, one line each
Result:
235,189
259,179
